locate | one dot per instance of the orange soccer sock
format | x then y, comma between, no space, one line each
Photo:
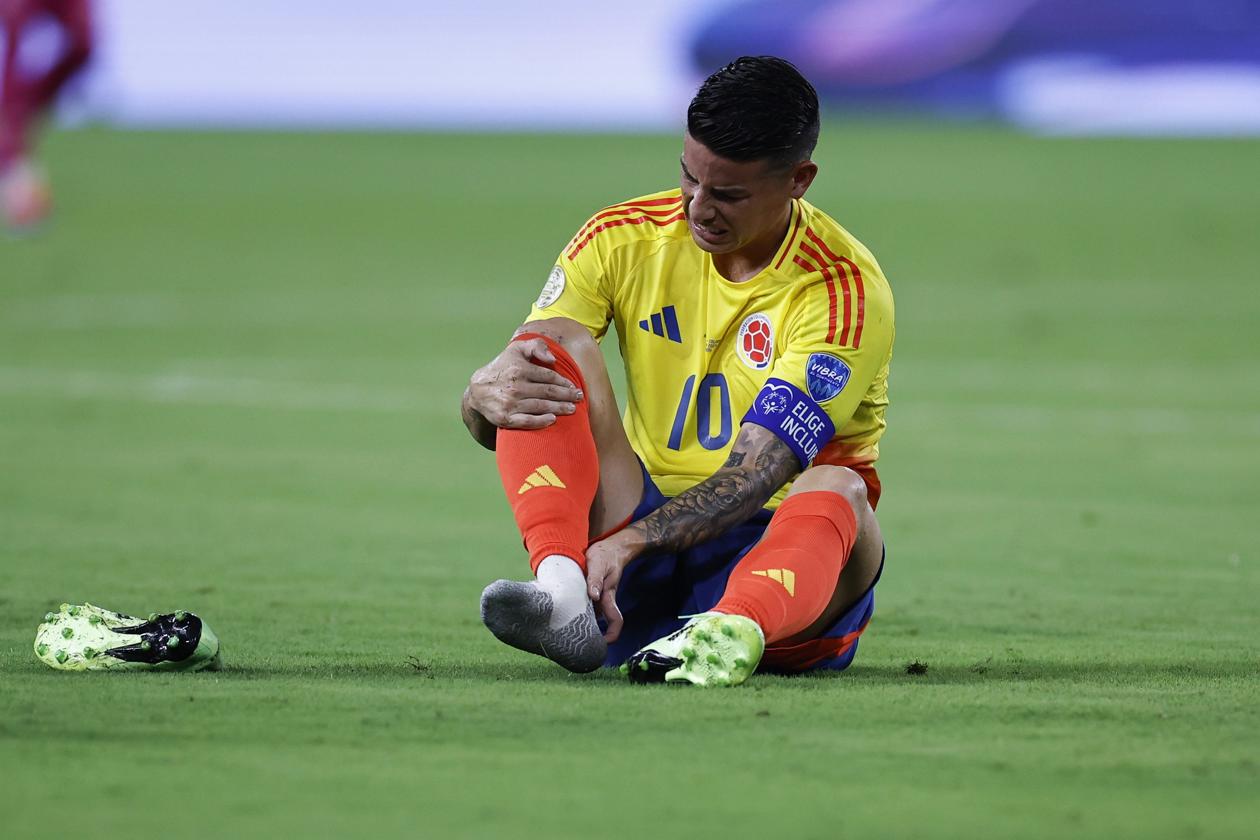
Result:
788,578
550,475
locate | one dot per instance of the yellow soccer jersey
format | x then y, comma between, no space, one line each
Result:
802,348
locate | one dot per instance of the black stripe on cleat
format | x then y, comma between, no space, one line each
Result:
164,638
650,666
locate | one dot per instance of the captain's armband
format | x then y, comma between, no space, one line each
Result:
793,416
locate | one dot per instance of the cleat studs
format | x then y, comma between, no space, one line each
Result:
67,633
624,669
50,617
172,642
741,662
728,630
63,608
75,611
688,653
89,653
61,657
94,620
180,615
643,665
152,617
703,636
713,659
146,645
41,649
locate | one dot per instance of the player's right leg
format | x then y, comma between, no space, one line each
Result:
620,484
574,479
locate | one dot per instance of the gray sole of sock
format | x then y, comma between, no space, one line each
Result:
519,614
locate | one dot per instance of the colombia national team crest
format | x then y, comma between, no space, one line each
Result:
755,344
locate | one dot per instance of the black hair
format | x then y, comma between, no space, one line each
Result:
756,108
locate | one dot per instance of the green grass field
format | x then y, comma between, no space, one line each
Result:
229,379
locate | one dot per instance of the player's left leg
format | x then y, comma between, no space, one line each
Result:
820,554
25,199
13,136
20,184
858,570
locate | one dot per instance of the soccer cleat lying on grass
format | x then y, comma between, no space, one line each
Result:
88,638
712,649
520,614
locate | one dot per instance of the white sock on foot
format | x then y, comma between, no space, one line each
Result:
562,579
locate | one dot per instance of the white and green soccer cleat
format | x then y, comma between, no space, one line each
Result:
712,649
88,638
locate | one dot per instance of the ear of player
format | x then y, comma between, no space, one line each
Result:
86,637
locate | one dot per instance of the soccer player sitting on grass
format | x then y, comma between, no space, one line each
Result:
729,524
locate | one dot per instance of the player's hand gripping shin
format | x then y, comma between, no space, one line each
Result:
519,389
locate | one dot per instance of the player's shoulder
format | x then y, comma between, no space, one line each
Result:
636,223
824,242
842,293
821,249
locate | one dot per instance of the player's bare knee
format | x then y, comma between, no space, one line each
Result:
840,480
573,337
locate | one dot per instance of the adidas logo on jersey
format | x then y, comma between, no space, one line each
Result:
787,577
664,324
544,476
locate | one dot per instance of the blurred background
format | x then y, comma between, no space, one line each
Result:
1061,66
277,237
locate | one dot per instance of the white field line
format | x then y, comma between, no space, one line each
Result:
1065,422
159,310
81,311
927,416
205,390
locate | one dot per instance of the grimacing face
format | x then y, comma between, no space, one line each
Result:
731,206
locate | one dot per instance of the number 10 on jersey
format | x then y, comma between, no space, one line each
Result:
703,401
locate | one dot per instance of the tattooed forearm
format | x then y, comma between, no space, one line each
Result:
723,500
